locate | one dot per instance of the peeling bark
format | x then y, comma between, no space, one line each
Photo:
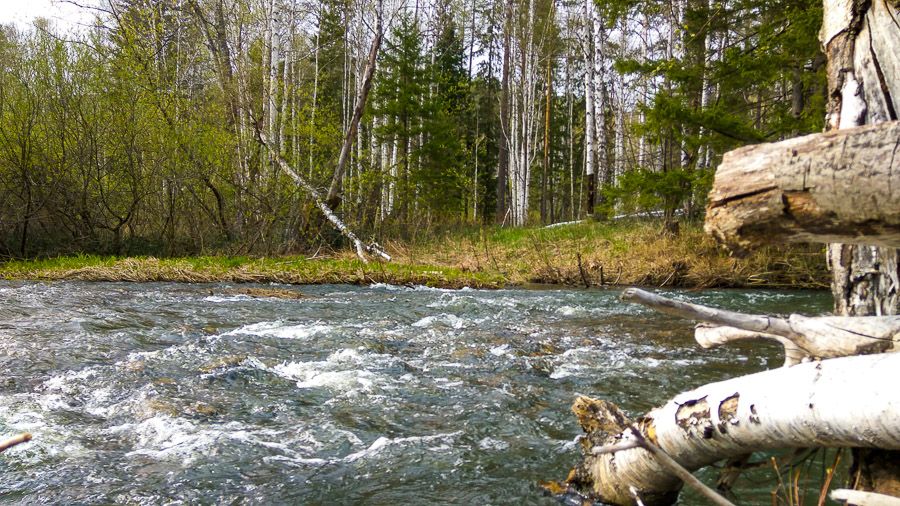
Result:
838,186
830,403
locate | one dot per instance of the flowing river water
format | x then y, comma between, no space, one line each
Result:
192,394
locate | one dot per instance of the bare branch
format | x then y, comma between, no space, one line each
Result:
9,443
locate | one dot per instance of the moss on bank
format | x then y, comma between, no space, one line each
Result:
587,253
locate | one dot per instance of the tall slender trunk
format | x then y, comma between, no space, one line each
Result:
333,198
315,103
570,140
548,94
589,120
504,151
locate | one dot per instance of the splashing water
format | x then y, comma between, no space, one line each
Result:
166,393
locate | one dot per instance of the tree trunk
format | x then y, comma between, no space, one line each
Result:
862,42
589,117
361,249
333,198
503,155
548,94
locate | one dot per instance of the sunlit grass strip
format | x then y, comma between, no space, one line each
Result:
624,253
589,253
286,270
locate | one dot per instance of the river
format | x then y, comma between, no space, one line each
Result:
194,394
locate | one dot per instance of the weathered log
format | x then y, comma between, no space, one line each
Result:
842,402
839,186
819,337
13,441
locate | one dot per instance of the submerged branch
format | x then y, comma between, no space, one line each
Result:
13,441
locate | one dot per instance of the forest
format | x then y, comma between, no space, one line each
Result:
161,126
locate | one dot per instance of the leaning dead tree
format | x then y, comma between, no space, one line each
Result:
840,186
361,248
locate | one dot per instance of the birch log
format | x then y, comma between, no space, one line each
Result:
842,402
838,186
818,337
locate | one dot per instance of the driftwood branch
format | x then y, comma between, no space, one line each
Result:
361,248
639,441
838,186
842,402
820,337
13,441
709,336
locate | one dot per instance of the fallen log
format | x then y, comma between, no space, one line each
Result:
842,402
817,337
836,186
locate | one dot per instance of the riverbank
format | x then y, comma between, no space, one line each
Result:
586,254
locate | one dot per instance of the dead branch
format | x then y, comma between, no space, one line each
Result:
843,402
821,337
13,441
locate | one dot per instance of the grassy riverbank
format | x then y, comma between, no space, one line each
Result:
582,254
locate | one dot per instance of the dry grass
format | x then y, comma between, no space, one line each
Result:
589,253
637,253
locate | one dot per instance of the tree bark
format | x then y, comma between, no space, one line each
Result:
836,186
361,249
862,42
503,154
590,126
844,402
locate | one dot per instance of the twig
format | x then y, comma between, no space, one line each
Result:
640,441
9,443
624,445
827,484
679,471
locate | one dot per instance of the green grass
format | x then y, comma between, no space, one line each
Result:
620,252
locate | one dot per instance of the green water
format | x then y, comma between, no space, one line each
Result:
187,394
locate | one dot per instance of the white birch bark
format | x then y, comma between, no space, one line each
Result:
589,120
842,402
361,248
274,59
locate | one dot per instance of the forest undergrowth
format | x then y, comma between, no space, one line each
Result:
588,254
